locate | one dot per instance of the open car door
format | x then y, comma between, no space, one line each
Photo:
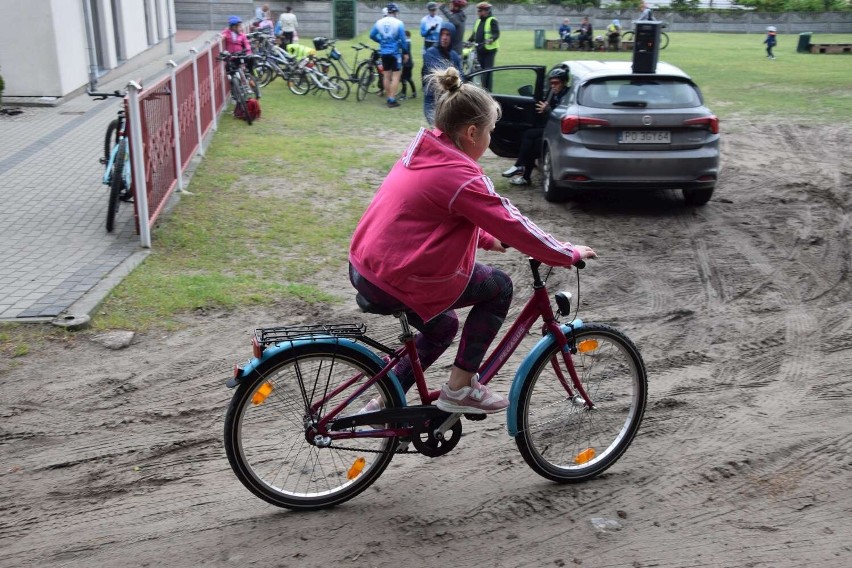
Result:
517,88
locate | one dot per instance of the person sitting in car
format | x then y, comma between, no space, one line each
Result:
521,172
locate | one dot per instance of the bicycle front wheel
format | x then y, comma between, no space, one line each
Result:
267,429
664,40
116,184
338,88
240,98
299,83
111,139
559,437
627,36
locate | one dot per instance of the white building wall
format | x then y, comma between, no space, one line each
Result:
46,52
132,23
69,38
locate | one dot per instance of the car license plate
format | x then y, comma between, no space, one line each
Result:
645,137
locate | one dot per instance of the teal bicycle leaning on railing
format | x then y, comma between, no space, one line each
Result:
318,413
116,159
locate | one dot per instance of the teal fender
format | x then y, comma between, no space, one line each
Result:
524,370
283,347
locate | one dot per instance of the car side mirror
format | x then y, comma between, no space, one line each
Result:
526,91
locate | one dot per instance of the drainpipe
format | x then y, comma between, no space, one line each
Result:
90,47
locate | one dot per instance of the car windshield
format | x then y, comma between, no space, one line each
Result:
645,92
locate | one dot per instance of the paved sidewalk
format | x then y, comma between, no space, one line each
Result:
57,261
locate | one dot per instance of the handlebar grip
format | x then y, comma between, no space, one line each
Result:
580,264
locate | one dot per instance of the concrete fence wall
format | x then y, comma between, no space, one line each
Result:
316,18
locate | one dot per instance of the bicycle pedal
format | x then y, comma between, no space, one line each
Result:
476,417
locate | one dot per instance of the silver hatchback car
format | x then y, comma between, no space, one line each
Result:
614,129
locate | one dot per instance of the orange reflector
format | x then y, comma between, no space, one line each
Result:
357,467
262,393
585,456
587,345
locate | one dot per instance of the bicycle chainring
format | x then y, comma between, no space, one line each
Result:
425,441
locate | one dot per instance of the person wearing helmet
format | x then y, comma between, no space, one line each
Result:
436,58
429,26
613,35
521,172
389,32
486,34
770,41
456,16
233,38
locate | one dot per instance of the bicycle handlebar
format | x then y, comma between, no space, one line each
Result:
580,264
104,96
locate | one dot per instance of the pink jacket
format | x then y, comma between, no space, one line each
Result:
234,42
417,240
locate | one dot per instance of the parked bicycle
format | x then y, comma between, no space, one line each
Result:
352,73
371,74
273,61
116,159
243,84
318,413
310,77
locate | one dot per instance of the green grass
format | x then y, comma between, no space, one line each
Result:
241,240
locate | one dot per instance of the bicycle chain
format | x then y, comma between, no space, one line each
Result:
368,451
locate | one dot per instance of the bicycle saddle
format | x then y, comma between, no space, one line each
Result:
371,308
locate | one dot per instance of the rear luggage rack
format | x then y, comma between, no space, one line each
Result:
267,336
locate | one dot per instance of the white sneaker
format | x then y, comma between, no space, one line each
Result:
475,399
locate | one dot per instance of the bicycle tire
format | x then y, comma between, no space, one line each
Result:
339,88
373,81
664,40
240,98
115,185
110,140
627,36
561,439
299,84
328,67
265,431
266,74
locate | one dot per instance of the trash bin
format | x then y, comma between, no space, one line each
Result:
804,42
539,39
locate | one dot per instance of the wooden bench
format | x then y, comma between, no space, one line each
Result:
831,48
553,44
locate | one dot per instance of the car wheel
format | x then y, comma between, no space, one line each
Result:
697,196
551,192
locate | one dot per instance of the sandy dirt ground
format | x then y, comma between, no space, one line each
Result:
740,309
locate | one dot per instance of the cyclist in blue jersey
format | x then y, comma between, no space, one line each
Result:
429,26
389,32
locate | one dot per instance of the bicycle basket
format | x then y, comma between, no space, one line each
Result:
320,43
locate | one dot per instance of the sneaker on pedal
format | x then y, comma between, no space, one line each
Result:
475,399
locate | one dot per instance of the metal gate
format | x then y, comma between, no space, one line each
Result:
344,19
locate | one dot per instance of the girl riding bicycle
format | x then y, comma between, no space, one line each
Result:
415,247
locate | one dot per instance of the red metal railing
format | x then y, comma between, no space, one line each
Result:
168,122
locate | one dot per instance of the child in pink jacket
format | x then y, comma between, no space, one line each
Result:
415,246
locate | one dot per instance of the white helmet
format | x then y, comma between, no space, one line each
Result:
771,29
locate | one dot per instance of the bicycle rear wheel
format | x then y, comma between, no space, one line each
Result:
664,40
267,420
561,439
627,36
116,184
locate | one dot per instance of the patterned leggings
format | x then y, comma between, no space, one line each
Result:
489,292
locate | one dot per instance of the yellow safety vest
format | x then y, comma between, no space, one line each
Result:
488,20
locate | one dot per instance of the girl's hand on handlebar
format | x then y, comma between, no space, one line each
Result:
498,246
585,252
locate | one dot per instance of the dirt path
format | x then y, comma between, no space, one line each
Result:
741,310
